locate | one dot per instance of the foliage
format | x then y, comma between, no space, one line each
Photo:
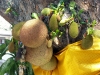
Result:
11,65
10,9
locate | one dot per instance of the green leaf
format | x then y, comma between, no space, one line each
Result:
29,68
14,12
7,42
59,4
57,31
2,47
6,66
80,11
53,34
12,70
90,31
72,5
82,22
3,52
93,23
16,67
52,7
74,12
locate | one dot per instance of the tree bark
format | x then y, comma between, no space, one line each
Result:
92,7
24,8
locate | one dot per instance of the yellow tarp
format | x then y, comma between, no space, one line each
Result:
73,60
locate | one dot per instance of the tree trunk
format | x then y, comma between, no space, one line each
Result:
92,7
24,8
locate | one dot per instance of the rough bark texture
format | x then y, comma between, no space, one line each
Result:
24,8
92,7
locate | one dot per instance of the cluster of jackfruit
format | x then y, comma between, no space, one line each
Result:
36,37
33,35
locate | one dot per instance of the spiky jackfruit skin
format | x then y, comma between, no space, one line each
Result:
53,24
73,30
51,65
87,42
16,30
11,47
33,33
46,11
40,55
96,33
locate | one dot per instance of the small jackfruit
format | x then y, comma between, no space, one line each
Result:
53,24
87,42
8,10
16,30
96,33
46,11
73,30
11,47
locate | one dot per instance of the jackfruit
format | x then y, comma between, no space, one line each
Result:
40,55
53,24
73,30
33,33
11,47
16,30
87,42
46,11
51,65
96,33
